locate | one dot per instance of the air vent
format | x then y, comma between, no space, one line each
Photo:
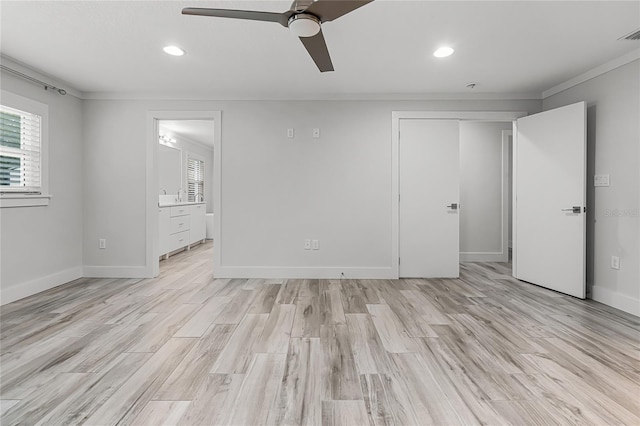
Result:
634,36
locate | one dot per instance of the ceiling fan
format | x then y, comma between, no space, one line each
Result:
304,19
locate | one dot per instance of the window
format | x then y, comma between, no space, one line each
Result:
22,152
195,179
19,150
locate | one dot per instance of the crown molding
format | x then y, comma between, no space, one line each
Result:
634,55
398,97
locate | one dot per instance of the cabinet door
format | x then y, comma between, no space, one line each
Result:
164,222
198,226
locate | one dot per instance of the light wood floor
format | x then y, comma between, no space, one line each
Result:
188,349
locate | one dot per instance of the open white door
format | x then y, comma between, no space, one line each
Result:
429,161
550,190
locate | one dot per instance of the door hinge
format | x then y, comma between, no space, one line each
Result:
398,261
398,197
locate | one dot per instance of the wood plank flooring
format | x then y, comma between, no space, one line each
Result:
188,349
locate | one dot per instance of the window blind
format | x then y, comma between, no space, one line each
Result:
195,180
20,149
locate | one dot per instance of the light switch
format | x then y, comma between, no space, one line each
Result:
601,180
615,262
316,133
315,245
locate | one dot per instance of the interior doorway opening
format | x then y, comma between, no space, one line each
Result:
183,178
485,185
438,234
185,184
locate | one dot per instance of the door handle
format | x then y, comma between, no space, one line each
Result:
453,206
574,209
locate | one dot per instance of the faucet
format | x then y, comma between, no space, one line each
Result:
164,191
199,197
180,191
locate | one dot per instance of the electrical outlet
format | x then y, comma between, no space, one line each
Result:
307,244
615,262
290,133
315,244
102,243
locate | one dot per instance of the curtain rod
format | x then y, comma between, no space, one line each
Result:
46,86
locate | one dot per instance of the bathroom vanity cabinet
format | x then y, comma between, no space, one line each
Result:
181,226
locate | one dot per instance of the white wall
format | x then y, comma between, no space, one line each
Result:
114,172
275,192
41,247
481,191
613,213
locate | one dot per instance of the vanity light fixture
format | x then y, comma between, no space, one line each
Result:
167,139
443,52
173,50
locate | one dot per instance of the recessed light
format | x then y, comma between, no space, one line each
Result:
443,52
173,50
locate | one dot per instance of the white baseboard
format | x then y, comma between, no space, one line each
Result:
116,272
483,257
304,272
616,300
29,288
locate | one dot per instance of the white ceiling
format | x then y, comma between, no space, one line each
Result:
200,131
384,48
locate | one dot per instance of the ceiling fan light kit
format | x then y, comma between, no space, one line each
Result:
304,25
304,19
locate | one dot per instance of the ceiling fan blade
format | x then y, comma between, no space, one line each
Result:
317,48
328,10
281,18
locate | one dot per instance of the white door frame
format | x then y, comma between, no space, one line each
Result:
396,116
152,252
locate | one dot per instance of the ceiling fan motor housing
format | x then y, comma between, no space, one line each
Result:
300,5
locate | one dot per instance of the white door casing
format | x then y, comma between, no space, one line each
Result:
549,180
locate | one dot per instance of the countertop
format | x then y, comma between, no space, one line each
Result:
181,203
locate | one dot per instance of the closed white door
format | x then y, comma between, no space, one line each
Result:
429,160
550,188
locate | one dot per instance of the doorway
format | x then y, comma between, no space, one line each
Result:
445,235
485,180
177,142
549,195
185,192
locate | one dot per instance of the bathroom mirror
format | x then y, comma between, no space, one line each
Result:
169,169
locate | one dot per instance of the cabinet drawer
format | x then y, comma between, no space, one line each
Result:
179,224
179,210
179,240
